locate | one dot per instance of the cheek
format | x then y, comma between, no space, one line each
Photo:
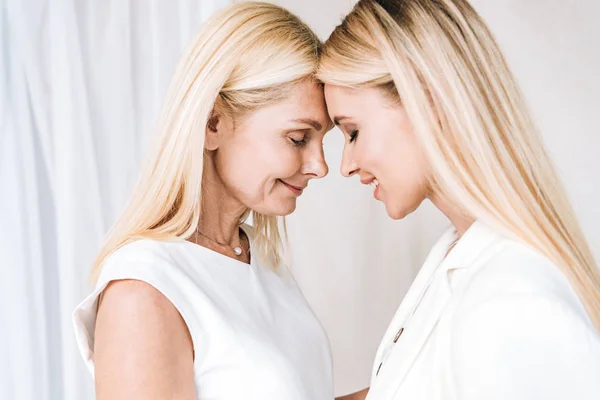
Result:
371,155
409,186
269,164
250,172
405,181
239,171
284,162
262,192
384,156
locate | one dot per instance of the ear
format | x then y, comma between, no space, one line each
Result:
212,139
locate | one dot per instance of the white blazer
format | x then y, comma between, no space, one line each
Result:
495,320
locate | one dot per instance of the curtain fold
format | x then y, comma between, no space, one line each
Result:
81,84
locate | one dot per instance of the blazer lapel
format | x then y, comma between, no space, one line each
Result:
437,297
416,332
410,300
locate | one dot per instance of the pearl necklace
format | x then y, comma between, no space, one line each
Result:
237,250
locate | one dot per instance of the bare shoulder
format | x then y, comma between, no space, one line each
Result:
142,346
362,395
135,303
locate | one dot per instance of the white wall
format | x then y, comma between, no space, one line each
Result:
355,265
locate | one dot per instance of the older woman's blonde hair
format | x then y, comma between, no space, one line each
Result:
247,56
440,61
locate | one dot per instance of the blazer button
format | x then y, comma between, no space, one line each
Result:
398,334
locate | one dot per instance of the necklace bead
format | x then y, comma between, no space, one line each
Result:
237,250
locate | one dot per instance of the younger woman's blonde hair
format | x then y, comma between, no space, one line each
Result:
245,57
440,61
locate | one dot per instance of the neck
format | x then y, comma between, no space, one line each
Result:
221,212
461,220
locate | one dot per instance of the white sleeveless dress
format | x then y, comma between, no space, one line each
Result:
254,335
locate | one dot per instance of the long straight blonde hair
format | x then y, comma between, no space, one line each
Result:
439,59
247,56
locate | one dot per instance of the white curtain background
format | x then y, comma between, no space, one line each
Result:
81,83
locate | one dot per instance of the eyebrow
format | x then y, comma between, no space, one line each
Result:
338,120
311,122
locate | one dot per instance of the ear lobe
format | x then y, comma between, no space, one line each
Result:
211,141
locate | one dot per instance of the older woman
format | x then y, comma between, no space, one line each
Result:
190,302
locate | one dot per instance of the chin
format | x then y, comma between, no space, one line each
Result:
281,209
397,212
290,208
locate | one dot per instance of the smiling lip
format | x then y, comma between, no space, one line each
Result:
373,182
297,190
367,181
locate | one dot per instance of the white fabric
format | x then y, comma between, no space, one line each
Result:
81,83
497,321
253,333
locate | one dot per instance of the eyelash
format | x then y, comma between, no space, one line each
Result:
298,143
353,135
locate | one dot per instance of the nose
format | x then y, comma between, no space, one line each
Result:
315,164
348,167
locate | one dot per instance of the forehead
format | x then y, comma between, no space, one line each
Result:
304,101
353,100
